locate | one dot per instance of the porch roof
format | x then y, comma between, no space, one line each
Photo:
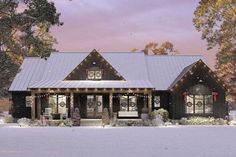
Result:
93,84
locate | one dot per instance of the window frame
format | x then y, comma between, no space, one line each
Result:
94,74
203,105
128,105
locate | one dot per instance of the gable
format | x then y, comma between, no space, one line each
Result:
198,72
94,64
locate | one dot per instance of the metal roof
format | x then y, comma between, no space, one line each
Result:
163,70
30,71
139,71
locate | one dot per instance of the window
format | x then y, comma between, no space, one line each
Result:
189,104
28,101
128,103
199,104
94,74
157,101
208,104
57,103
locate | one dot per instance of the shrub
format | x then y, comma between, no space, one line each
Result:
24,121
162,112
202,121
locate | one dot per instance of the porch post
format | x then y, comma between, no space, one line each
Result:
111,104
38,108
71,103
33,107
149,102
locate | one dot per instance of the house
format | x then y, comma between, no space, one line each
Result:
123,83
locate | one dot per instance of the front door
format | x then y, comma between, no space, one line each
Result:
94,106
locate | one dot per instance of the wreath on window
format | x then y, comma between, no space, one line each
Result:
99,103
123,104
199,104
189,104
90,104
132,104
98,74
156,101
62,104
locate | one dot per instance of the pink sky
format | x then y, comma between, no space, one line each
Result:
120,25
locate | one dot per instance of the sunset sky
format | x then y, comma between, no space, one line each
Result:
120,25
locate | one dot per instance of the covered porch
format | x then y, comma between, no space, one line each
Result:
60,103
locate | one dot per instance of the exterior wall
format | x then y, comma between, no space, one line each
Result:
177,107
19,109
164,100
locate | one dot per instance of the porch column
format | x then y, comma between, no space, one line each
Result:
38,108
71,103
33,107
149,102
111,104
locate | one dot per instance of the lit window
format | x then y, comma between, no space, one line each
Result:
157,101
199,104
128,103
94,74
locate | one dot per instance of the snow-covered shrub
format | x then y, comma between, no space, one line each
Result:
36,123
8,119
168,124
220,121
232,122
157,120
1,120
202,121
24,121
183,121
68,122
162,112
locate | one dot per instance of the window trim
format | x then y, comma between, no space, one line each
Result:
204,105
94,74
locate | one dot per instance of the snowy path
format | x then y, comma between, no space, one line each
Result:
196,141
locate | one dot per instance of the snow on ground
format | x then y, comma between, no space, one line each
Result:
179,141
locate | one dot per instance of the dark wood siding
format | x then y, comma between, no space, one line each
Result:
177,107
19,105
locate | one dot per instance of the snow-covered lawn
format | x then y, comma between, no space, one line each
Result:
180,141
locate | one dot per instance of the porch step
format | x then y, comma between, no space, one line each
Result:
91,122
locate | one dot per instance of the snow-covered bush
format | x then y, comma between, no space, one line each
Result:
202,121
183,121
24,121
220,121
162,112
6,118
232,122
68,122
157,120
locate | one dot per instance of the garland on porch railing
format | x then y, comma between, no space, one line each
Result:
68,96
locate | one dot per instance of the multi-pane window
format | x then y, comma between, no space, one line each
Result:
94,74
157,101
199,104
57,103
128,103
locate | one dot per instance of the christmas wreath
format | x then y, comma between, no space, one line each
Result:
90,104
189,104
132,104
99,103
199,103
62,104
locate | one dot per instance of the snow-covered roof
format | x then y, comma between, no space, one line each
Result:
31,71
139,71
